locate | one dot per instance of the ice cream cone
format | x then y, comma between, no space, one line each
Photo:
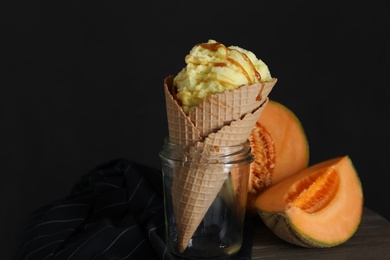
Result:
224,119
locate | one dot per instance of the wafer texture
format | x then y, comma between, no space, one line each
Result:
224,119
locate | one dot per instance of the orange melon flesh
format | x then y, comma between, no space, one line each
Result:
319,207
291,146
280,148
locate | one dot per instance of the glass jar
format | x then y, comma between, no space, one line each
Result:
205,191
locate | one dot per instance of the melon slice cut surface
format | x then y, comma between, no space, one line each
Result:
280,149
320,206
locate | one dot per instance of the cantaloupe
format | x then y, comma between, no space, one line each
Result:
280,149
320,206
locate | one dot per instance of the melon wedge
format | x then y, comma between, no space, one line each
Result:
320,206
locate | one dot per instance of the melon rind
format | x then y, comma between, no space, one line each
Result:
282,227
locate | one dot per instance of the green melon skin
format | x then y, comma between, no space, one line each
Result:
282,227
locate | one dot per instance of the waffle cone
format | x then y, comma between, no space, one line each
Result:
193,191
181,130
221,109
224,119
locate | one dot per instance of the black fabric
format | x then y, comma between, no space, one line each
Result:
114,212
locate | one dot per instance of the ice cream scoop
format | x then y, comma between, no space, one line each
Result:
214,68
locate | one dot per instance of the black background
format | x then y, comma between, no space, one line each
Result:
81,84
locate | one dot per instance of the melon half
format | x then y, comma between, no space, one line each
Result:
280,149
320,206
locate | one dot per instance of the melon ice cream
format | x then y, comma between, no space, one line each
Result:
214,68
214,101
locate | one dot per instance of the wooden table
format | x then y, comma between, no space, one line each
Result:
371,241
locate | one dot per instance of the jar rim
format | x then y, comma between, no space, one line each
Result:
247,142
211,154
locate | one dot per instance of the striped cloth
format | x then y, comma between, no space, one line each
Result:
113,212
